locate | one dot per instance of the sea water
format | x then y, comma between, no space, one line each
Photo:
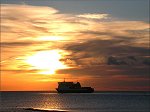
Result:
80,102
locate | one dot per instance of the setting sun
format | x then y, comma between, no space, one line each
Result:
46,61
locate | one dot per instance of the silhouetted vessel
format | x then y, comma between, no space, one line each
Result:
70,87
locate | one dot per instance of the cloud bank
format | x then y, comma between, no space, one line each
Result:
98,46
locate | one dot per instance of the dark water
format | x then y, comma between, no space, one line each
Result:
95,102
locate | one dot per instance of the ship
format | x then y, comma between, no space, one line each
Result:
71,87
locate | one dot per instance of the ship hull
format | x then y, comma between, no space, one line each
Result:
75,91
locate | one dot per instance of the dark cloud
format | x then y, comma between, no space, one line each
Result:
108,47
11,44
25,43
108,71
146,61
113,61
128,60
99,51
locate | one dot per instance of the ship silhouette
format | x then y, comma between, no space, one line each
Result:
71,87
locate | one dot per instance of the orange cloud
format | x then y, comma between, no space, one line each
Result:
93,16
86,39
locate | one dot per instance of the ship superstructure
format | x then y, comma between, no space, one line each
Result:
70,87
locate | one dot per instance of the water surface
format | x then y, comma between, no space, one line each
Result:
83,102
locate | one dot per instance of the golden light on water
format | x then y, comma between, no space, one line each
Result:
46,61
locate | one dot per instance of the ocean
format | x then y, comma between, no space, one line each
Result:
81,102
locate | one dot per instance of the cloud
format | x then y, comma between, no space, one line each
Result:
112,77
24,22
100,50
90,40
128,60
93,16
26,25
4,44
20,11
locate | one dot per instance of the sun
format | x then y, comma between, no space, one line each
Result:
47,62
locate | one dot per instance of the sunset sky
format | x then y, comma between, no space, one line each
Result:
100,43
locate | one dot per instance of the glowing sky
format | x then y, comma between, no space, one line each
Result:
43,42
